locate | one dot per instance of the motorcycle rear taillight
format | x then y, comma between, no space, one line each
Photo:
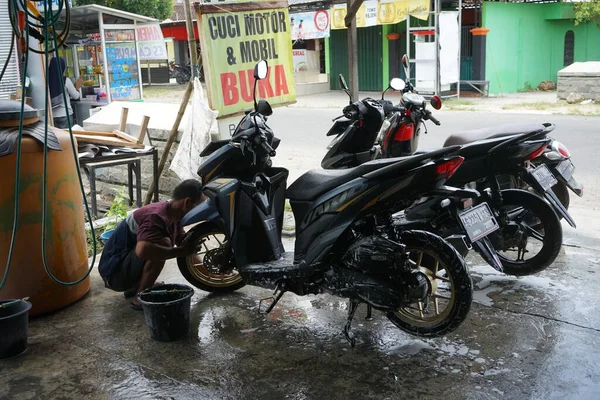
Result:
537,153
561,148
448,167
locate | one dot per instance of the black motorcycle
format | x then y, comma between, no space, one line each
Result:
181,73
406,122
524,218
415,277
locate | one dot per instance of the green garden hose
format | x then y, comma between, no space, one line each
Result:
49,20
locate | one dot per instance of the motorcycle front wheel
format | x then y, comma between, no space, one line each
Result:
531,233
212,268
451,290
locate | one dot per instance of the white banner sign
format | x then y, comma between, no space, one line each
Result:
310,25
151,42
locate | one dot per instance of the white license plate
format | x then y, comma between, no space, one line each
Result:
478,221
544,177
566,169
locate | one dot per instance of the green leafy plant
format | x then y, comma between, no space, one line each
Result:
586,12
159,9
117,210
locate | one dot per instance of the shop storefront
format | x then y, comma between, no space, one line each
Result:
310,30
105,50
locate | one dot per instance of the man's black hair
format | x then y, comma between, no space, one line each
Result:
189,188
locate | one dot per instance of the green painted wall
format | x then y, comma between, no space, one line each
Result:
525,44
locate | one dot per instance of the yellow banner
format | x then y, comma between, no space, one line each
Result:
232,43
373,12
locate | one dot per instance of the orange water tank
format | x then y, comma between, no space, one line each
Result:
66,251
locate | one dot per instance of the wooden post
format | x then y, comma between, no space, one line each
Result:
171,138
123,123
143,129
353,6
189,24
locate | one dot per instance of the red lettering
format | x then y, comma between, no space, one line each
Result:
281,86
228,86
247,85
266,90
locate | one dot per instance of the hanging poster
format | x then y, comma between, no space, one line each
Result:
383,12
309,25
151,42
299,60
232,43
123,71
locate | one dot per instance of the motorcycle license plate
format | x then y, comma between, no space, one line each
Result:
566,169
544,177
478,221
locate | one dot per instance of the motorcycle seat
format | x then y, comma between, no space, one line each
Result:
466,137
317,181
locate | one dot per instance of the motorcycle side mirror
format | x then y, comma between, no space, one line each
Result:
405,61
344,86
264,108
406,65
342,81
436,102
261,69
397,84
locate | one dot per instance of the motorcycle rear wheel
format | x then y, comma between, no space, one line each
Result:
182,78
541,224
202,268
451,294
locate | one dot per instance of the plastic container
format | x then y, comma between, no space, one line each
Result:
167,311
106,235
66,246
14,321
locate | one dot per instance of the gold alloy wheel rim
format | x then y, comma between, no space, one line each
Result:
442,293
195,263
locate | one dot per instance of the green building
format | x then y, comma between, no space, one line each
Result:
530,42
527,43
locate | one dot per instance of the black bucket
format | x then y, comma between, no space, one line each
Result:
167,311
14,321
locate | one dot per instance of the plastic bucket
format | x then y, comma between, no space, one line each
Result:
14,321
167,311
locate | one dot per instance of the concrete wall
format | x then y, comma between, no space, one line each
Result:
525,44
587,86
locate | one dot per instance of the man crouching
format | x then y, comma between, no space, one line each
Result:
136,252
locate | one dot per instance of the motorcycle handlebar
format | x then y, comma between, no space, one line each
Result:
431,118
266,147
351,113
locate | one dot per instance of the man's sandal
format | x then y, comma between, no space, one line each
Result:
136,307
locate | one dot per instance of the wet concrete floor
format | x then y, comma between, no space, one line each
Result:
532,337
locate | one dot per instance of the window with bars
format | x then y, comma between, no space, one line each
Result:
569,48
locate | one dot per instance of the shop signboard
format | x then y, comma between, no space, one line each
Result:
309,25
383,12
232,43
123,71
299,60
151,42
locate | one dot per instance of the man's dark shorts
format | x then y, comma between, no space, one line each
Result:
128,275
